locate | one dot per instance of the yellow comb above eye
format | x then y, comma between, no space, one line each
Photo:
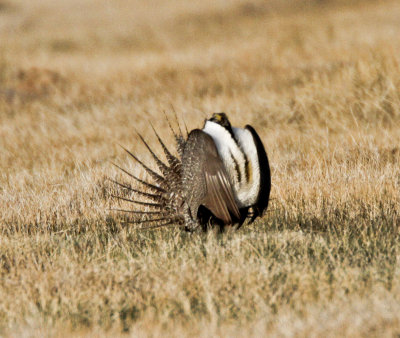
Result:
219,116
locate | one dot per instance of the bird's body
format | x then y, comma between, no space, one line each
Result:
220,174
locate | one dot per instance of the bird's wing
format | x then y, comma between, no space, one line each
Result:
204,167
265,175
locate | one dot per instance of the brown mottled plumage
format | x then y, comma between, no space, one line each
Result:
203,186
205,181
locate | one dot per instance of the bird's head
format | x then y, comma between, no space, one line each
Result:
222,120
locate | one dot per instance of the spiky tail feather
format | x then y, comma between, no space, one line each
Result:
166,188
179,138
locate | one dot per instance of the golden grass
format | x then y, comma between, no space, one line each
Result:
320,82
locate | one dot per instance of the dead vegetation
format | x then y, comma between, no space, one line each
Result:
319,81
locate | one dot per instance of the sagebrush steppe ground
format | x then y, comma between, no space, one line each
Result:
319,80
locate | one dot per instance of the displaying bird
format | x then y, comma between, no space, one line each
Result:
220,177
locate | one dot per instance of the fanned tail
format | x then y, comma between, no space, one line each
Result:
172,160
161,165
159,197
140,212
147,204
147,184
179,139
140,221
156,177
153,197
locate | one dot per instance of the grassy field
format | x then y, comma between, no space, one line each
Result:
319,80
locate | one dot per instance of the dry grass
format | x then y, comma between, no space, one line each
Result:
320,82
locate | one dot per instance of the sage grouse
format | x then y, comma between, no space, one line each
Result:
220,177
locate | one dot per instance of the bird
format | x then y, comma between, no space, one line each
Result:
220,177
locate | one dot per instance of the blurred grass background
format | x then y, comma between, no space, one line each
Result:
319,80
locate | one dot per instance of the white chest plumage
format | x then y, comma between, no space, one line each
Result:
240,160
